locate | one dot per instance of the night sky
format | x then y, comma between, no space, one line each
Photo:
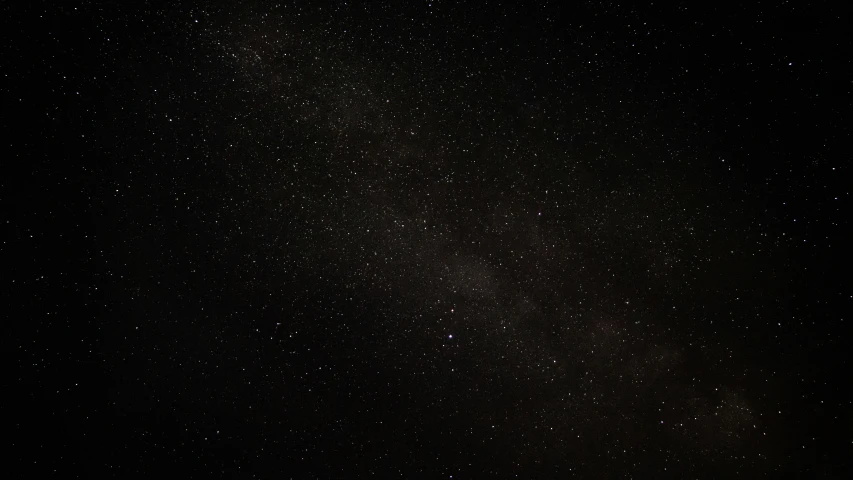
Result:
426,240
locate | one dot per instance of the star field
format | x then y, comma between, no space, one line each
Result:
428,240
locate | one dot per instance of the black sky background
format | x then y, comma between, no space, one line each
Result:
485,240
